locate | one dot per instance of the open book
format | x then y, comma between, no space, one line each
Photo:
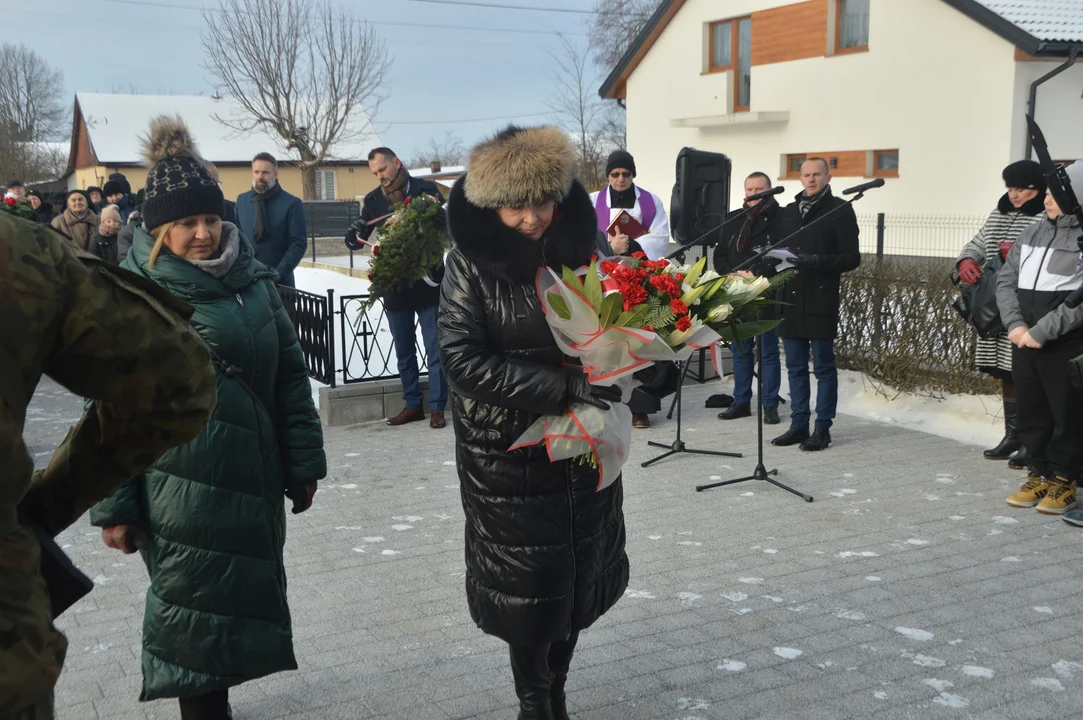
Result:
625,224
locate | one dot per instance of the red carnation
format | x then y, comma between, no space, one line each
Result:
666,284
371,277
594,257
648,328
633,295
639,254
680,277
406,202
608,266
375,250
678,307
683,323
10,200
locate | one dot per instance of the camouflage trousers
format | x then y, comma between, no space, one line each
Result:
42,710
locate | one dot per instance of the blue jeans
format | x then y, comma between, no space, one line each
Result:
827,381
401,323
744,359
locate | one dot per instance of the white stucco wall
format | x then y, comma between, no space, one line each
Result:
934,84
1060,108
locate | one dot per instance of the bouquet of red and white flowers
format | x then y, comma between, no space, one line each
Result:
622,314
19,208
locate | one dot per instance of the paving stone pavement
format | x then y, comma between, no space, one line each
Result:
908,589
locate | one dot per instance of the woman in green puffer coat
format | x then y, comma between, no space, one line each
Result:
209,516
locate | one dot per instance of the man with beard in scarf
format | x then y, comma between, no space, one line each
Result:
273,220
402,303
760,228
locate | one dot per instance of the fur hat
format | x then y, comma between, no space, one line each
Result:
112,187
520,167
620,159
125,186
1025,174
178,184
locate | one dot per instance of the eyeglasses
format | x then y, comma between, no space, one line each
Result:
620,174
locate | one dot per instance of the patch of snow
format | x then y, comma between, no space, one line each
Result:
880,695
978,671
690,543
374,539
850,615
747,494
915,541
772,598
1044,610
930,496
939,685
872,578
957,517
735,596
688,598
788,653
1051,684
1002,520
692,704
732,666
770,551
390,552
914,633
400,528
1010,558
639,594
844,492
751,580
1067,669
654,537
407,518
951,701
927,661
863,553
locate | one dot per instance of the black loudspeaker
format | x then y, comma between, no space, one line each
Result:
700,198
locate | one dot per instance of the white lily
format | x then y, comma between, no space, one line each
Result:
720,313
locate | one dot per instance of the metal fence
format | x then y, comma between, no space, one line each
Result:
368,348
312,319
917,235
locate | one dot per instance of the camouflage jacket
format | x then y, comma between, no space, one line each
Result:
105,335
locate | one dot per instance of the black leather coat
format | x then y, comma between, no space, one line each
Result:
544,551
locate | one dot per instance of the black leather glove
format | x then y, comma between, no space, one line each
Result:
579,390
806,261
351,239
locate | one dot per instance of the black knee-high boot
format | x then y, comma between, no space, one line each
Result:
560,659
211,706
530,667
1011,442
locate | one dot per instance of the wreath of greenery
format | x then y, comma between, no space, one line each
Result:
408,246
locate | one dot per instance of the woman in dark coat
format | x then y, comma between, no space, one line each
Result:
1019,208
544,552
209,516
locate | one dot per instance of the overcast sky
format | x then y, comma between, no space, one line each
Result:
441,74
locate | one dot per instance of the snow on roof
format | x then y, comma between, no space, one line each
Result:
1049,20
117,122
446,173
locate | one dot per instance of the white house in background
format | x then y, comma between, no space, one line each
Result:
445,177
929,94
107,128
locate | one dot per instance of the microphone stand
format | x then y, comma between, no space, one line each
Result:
761,472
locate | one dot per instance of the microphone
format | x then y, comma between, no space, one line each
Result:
767,193
878,182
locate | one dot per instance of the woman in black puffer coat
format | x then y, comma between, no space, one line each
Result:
544,552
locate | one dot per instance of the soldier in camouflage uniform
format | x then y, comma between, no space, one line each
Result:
108,336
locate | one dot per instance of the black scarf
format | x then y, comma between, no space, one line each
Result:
744,236
622,199
259,227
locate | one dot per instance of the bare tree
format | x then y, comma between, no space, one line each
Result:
617,23
305,71
30,106
579,110
448,151
31,161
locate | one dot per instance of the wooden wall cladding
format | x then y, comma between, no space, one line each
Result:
790,32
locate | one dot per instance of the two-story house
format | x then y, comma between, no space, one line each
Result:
929,94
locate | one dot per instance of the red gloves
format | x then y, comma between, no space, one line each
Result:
302,497
1005,247
969,272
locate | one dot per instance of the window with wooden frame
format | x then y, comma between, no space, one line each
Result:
731,49
851,26
885,163
793,166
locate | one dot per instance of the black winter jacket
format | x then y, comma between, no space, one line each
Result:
813,292
766,230
104,247
544,551
420,295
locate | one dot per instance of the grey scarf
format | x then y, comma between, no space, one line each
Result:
228,252
806,203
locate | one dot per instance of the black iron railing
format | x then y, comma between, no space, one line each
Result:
368,349
313,321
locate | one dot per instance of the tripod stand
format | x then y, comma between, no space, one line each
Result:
761,472
678,446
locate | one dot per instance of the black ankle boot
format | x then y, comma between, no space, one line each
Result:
1019,460
530,668
1010,443
560,659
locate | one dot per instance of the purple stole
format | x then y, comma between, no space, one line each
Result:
601,208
